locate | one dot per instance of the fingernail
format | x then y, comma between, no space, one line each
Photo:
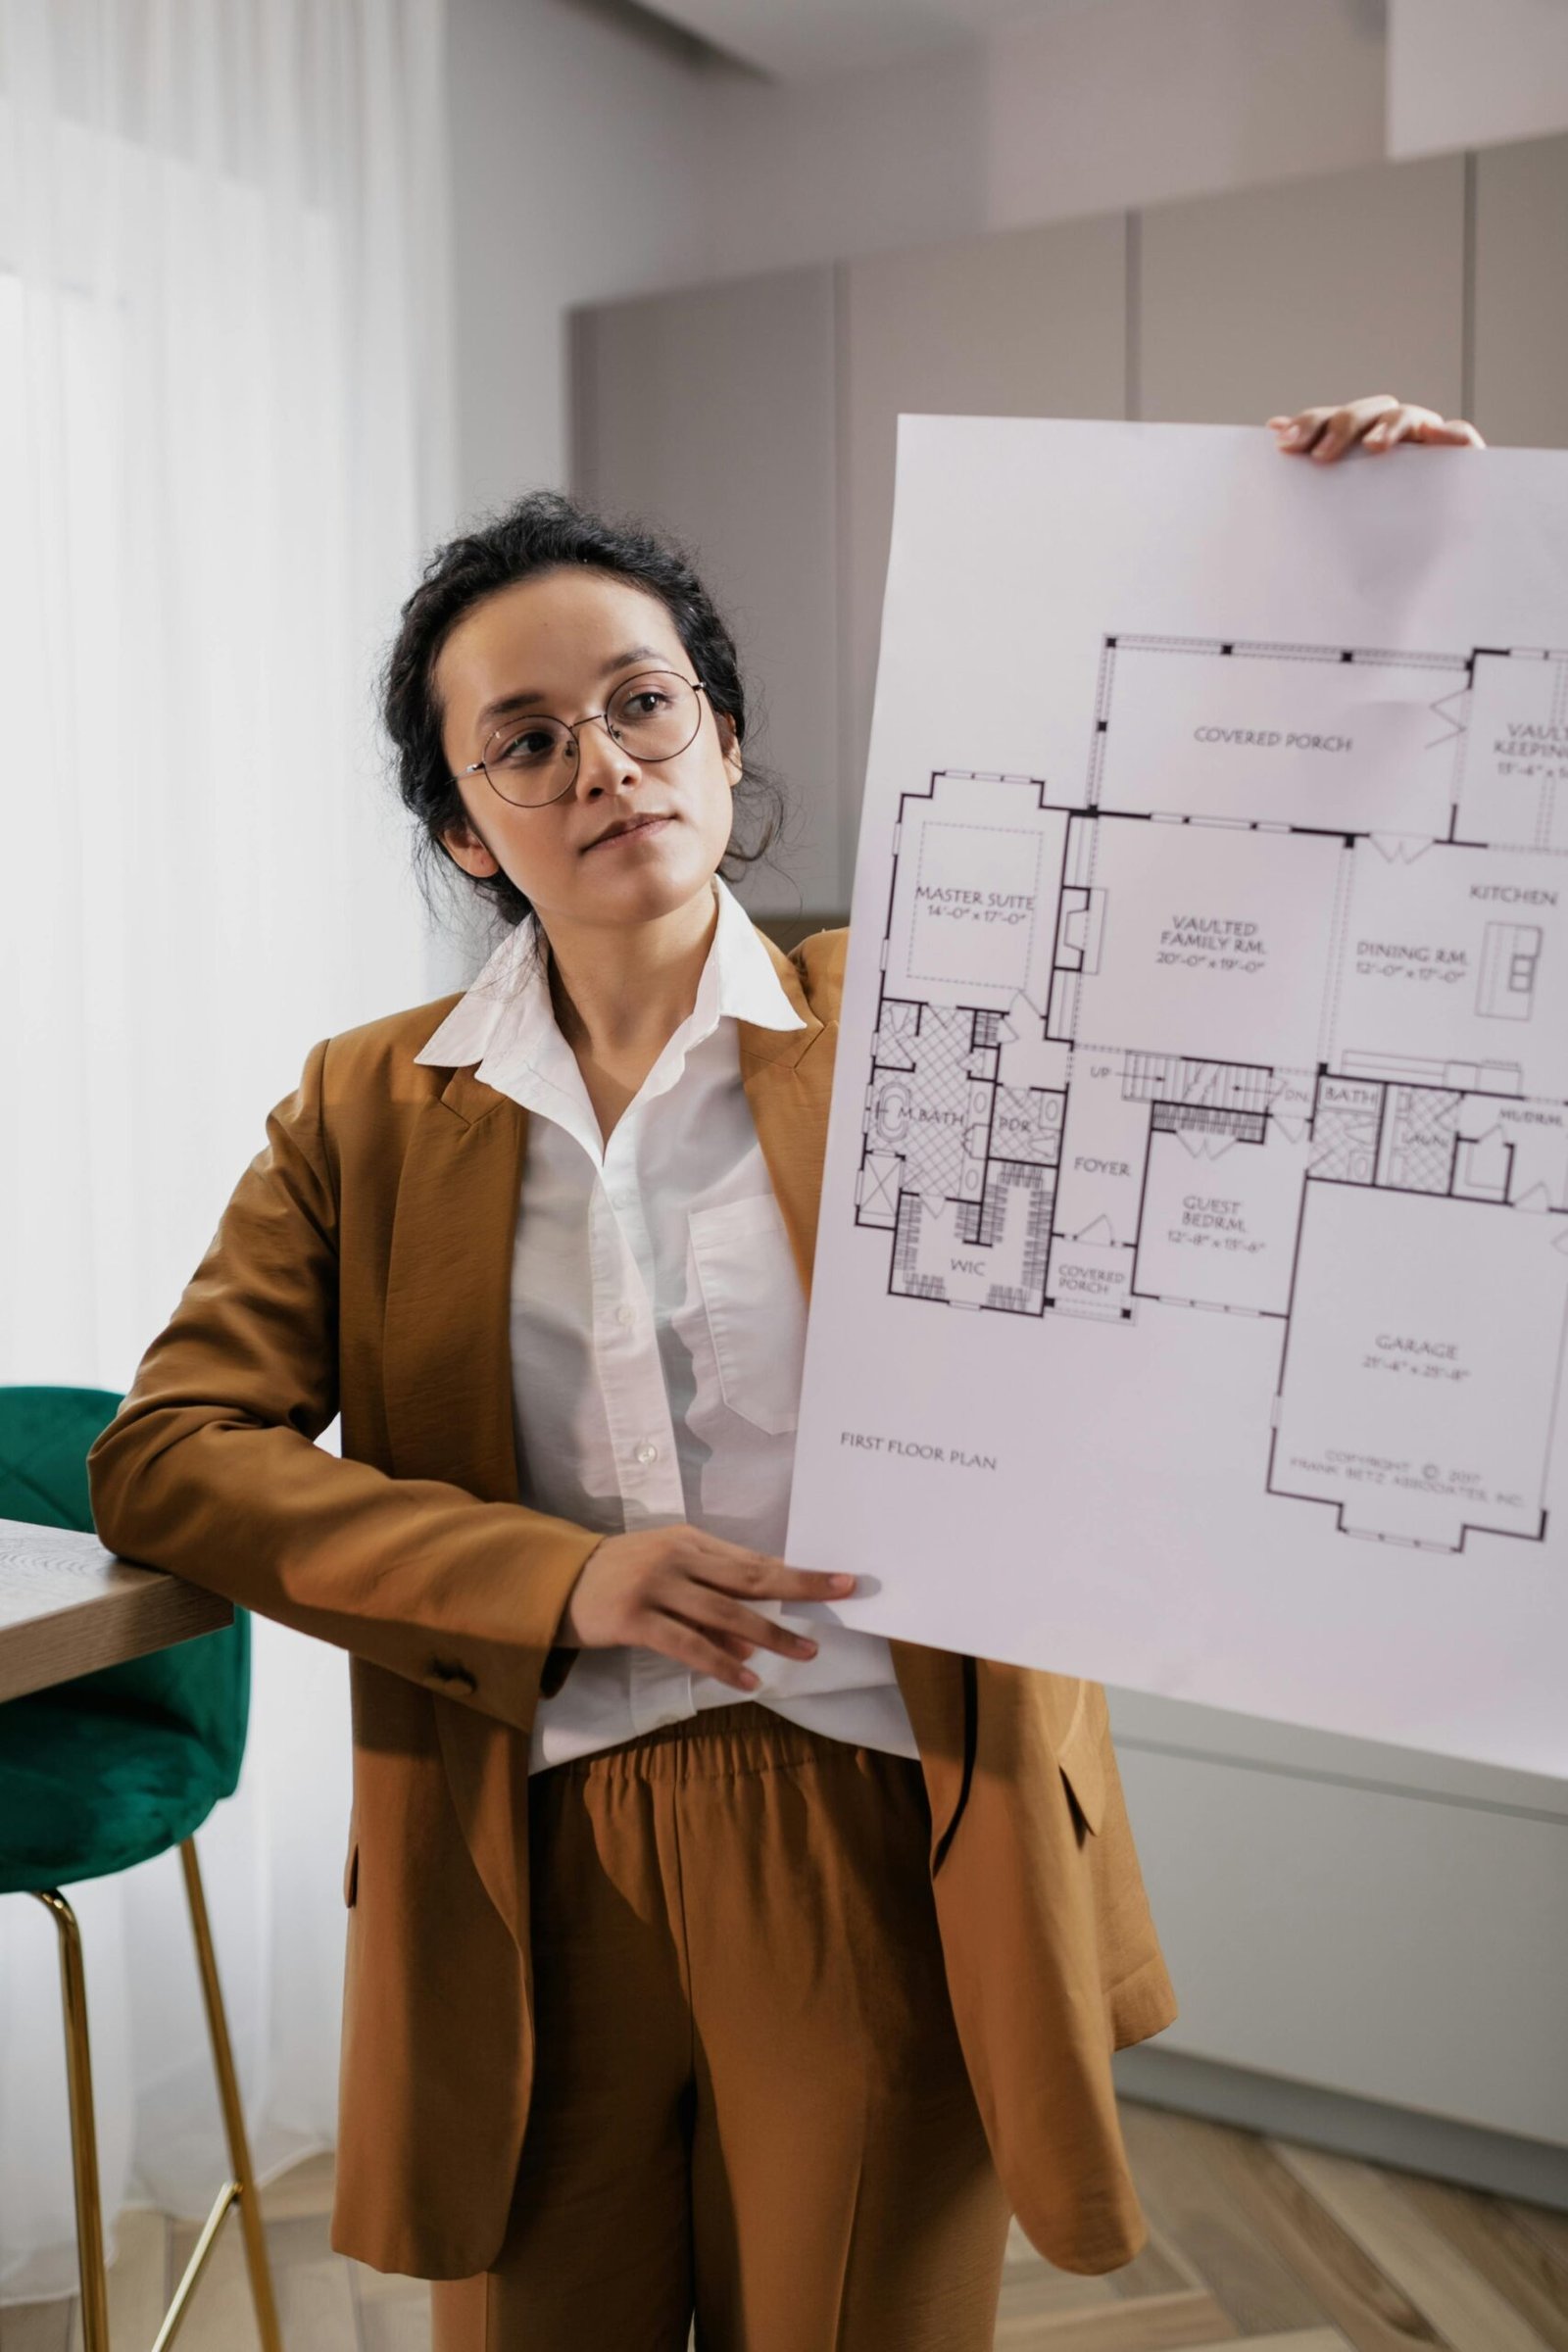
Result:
749,1680
843,1584
807,1649
1291,435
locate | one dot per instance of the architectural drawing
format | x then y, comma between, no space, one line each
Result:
1264,1011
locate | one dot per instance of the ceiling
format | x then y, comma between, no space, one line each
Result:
797,40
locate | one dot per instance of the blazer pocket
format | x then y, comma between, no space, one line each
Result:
1081,1762
755,1308
351,1871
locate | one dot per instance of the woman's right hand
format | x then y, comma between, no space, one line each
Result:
683,1593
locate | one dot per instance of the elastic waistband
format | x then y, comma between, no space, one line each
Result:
719,1742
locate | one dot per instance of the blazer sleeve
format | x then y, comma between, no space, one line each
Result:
210,1468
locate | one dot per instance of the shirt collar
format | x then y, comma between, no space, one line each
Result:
749,988
505,1021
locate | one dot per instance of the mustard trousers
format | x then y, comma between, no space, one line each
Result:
750,2107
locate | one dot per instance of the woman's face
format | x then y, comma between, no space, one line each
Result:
560,643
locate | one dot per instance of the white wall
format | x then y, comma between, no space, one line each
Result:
811,171
1100,105
1469,72
1100,108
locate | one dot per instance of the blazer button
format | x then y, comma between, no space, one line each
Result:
444,1671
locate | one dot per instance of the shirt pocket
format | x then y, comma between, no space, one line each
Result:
755,1308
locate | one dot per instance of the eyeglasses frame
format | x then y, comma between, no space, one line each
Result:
477,767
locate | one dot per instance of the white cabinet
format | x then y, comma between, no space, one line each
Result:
1370,1919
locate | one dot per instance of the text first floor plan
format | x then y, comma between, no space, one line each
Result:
1263,1014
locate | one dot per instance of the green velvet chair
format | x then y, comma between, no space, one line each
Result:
99,1773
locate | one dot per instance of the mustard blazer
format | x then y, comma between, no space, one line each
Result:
363,1266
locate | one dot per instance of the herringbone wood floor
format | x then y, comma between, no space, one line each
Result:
1254,2243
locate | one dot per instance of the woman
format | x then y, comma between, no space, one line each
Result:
800,1954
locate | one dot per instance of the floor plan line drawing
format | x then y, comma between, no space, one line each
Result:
1263,1014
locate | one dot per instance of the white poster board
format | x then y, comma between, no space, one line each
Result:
1191,1280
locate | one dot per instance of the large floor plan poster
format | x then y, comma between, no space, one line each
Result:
1190,1303
1201,1033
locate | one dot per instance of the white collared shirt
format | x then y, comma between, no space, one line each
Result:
657,1326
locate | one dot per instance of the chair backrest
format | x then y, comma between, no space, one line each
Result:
204,1683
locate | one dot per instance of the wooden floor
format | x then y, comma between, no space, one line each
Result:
1259,2243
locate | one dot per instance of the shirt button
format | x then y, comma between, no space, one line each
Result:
647,1452
625,1316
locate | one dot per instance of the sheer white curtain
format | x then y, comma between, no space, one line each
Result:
223,446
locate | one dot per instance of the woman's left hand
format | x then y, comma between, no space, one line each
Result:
1377,422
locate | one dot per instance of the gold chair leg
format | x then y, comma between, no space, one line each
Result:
84,2130
244,2183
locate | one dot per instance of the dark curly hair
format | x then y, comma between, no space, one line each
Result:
542,533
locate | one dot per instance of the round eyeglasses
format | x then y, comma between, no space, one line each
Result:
533,758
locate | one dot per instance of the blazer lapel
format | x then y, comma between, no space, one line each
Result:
788,1078
447,1348
447,1371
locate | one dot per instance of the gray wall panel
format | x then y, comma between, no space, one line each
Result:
1521,305
1281,297
711,414
1027,323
